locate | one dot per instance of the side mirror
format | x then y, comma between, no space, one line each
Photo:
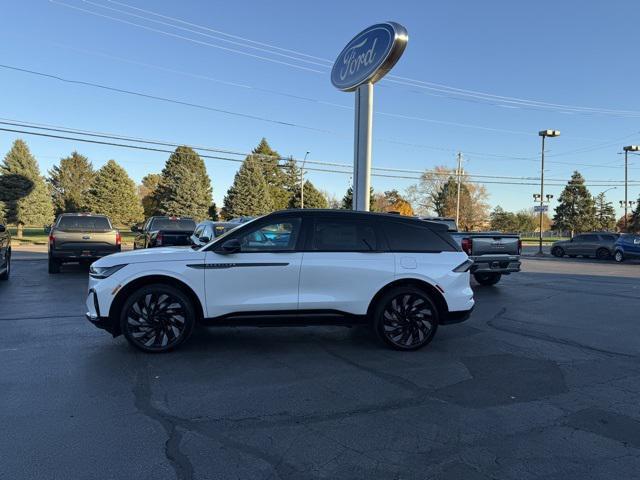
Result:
3,229
135,228
204,239
230,246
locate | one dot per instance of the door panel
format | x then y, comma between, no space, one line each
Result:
344,281
255,281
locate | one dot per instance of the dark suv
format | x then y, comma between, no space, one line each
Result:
595,244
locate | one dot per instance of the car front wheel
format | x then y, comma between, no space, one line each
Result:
405,318
618,256
557,252
157,318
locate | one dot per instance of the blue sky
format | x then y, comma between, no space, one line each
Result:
570,53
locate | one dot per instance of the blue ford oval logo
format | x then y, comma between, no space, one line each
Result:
369,56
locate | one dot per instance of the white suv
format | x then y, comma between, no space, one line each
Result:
403,276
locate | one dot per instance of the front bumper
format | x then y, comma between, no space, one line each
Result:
93,314
495,264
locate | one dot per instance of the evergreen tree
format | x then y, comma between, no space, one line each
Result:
213,212
633,220
23,190
70,182
148,194
249,194
274,176
605,218
313,198
113,193
576,210
185,188
502,221
347,200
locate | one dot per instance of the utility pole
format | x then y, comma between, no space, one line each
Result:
544,134
302,180
459,173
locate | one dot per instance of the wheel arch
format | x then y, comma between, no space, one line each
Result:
124,292
432,290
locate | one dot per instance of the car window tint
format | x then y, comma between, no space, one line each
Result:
84,223
580,238
198,232
208,232
343,236
404,237
608,238
280,236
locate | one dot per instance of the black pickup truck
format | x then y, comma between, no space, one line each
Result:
5,251
163,232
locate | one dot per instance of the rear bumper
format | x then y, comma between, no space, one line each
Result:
76,255
495,264
457,316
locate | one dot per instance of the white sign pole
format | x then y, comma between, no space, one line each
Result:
362,147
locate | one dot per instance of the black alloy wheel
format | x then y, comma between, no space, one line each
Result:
157,318
406,318
602,254
557,252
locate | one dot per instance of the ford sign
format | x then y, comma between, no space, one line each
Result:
369,56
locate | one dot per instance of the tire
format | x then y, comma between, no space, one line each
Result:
54,266
557,252
5,276
487,278
157,328
405,318
618,256
603,254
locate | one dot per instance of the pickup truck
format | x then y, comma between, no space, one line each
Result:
81,237
493,253
163,232
5,251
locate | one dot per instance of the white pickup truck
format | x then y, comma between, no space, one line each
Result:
493,253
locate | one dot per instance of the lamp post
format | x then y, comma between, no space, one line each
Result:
627,149
302,180
544,134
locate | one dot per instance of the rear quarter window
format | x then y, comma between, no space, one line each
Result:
84,223
405,237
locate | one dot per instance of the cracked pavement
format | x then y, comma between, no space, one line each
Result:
541,383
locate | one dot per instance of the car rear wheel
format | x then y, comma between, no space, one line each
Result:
5,275
618,256
487,278
157,318
557,252
602,254
406,318
54,265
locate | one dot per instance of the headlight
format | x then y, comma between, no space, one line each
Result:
104,272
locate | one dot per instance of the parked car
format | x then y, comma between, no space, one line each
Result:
626,247
208,230
5,251
403,276
493,253
594,244
241,219
81,237
163,232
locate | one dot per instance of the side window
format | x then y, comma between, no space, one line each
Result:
208,232
608,238
198,232
343,236
274,237
580,238
404,237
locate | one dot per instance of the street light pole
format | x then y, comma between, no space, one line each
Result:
627,149
544,134
459,172
302,180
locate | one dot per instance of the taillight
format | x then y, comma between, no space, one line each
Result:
466,245
52,240
159,239
118,239
519,246
464,266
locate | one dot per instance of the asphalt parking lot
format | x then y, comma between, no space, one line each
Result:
542,382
